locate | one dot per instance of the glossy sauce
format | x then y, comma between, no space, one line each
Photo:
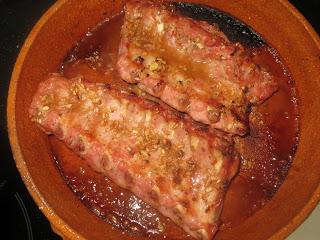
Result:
266,153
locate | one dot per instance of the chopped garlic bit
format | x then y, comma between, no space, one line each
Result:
160,24
160,27
194,141
148,116
200,45
154,66
157,65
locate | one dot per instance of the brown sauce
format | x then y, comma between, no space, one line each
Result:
266,153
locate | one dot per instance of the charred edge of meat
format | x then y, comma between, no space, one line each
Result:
235,30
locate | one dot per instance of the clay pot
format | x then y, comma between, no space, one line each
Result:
281,25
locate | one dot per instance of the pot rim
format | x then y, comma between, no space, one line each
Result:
315,198
57,223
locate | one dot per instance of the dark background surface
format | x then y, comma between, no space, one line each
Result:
22,218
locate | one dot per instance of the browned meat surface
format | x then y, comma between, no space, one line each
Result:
163,157
191,65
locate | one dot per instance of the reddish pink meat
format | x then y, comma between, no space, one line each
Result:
163,157
191,65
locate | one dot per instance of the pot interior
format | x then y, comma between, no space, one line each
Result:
68,21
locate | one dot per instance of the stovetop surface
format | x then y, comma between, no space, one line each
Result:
21,217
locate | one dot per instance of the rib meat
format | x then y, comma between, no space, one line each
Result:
191,65
164,157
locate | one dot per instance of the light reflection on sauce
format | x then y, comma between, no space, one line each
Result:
266,154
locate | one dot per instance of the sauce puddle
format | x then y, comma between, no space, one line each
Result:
266,153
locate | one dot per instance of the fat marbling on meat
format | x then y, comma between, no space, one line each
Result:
191,65
162,156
